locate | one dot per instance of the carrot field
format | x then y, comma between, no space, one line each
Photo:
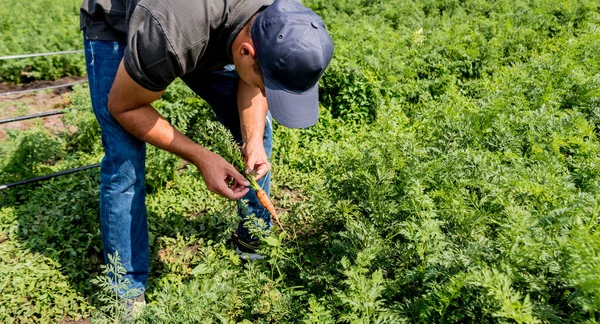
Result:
453,177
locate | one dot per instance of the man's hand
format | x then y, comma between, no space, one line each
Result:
221,177
256,158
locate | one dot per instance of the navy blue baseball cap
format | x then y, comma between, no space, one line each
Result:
293,50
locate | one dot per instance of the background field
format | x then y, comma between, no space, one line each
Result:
40,26
454,176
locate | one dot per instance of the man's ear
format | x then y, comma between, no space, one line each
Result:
246,49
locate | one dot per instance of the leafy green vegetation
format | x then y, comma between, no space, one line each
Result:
40,26
454,176
114,292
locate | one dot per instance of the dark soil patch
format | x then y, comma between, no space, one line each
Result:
16,105
81,321
37,84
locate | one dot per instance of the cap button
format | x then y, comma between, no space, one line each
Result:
314,24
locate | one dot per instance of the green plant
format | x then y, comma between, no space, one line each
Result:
114,292
25,30
216,137
36,152
453,177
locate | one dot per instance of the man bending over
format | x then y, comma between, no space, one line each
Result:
249,59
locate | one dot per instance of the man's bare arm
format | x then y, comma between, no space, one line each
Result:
130,104
253,107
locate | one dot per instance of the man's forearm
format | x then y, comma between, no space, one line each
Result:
253,108
148,125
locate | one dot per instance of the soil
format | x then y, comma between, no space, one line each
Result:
16,105
10,87
81,321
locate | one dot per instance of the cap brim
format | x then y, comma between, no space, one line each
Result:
291,109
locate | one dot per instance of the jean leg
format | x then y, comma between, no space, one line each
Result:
219,89
122,192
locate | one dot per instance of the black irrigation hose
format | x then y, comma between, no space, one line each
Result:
21,56
49,176
49,113
38,115
9,93
44,114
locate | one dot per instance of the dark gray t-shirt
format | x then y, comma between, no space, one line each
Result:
167,39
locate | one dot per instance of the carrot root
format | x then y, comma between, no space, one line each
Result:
266,202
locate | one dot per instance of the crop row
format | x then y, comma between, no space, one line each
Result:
454,176
39,26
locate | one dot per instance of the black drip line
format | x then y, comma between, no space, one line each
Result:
49,176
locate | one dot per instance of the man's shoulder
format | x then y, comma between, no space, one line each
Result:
183,23
169,39
108,7
198,9
198,31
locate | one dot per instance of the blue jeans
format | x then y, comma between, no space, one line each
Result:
122,190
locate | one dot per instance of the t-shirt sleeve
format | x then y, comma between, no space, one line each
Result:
149,57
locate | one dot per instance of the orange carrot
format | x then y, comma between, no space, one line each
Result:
266,202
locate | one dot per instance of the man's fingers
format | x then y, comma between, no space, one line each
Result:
250,164
231,185
237,193
238,188
234,193
238,177
262,169
234,185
